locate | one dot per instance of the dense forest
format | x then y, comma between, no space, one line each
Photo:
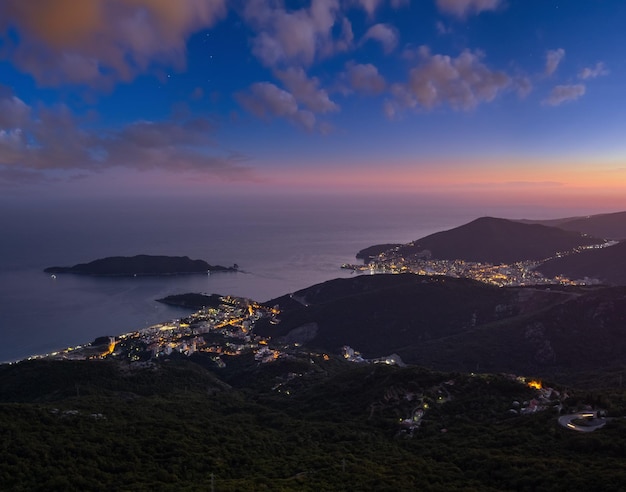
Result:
178,425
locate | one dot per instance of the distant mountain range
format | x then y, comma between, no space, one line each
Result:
141,265
608,226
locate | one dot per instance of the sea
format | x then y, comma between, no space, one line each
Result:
281,244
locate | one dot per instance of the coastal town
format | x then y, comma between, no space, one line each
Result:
521,273
222,330
225,332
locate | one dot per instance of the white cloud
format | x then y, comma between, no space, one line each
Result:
98,42
386,34
564,93
463,8
462,82
591,73
553,59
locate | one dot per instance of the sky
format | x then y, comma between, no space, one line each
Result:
496,101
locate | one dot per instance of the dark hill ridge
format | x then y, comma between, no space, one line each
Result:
380,314
373,251
141,265
608,265
608,226
459,324
494,240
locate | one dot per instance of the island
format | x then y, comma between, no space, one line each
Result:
142,265
192,300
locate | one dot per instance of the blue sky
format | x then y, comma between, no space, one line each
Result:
517,99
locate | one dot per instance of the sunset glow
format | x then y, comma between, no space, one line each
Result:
497,100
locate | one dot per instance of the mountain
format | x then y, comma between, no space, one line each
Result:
372,252
493,240
140,265
461,325
608,265
608,226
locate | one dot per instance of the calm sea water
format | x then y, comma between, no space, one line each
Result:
280,245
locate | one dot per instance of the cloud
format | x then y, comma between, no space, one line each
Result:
564,93
364,78
97,42
523,86
442,29
14,113
463,8
298,36
386,34
306,90
462,83
553,59
370,6
53,139
266,100
591,73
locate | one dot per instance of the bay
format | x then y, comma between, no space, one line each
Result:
280,245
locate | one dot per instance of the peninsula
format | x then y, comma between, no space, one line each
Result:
141,265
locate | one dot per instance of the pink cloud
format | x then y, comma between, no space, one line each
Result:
365,78
462,82
593,72
385,34
564,93
370,6
463,8
553,59
54,139
266,100
96,42
306,90
14,113
298,36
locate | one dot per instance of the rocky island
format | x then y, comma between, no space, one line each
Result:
141,265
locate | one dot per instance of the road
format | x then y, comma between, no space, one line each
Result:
591,418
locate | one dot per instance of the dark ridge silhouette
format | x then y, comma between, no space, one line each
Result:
608,265
456,324
141,265
608,226
494,240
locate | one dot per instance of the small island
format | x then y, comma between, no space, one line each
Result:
125,266
192,300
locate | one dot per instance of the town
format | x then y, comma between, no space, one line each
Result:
521,273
